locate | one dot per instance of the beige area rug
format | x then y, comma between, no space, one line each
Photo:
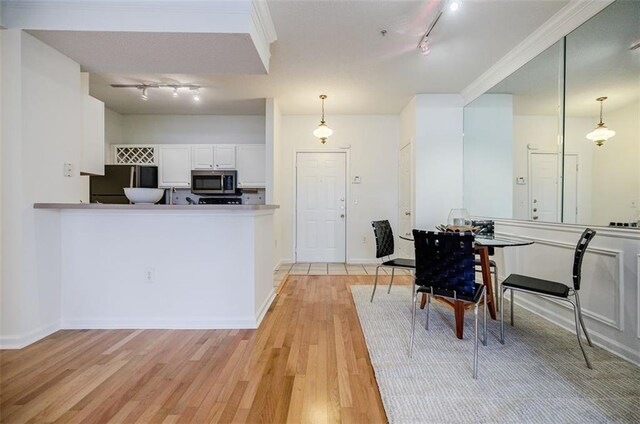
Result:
538,376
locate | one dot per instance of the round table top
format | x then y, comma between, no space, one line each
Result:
490,242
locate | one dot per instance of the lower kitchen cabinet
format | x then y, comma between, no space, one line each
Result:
174,166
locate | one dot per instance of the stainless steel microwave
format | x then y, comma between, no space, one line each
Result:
214,182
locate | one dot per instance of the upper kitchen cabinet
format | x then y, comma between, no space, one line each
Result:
174,166
224,156
202,156
251,165
92,152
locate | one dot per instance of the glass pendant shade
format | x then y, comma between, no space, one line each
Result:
459,217
323,131
601,134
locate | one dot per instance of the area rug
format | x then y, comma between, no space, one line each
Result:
538,376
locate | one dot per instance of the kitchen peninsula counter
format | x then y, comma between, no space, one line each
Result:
159,266
105,206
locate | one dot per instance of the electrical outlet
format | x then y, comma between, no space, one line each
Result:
364,239
68,169
150,275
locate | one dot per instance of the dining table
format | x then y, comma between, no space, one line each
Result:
481,245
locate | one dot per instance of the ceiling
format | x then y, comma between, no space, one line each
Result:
599,63
336,48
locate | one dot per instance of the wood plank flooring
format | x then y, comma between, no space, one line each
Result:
307,362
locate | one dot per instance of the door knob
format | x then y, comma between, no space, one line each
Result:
407,213
535,217
341,215
535,209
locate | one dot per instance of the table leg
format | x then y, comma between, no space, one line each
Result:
423,301
459,313
486,279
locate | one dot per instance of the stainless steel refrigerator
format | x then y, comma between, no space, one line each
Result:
110,187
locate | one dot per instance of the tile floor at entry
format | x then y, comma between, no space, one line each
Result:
329,269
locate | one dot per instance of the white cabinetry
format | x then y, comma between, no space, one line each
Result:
202,156
250,163
224,156
174,166
92,152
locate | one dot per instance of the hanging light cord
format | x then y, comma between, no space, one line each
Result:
322,97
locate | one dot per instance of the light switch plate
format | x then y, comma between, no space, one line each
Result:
68,169
356,179
521,181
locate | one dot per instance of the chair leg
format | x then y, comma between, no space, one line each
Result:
426,325
475,342
413,322
579,335
502,290
496,284
511,305
484,319
584,327
393,271
375,284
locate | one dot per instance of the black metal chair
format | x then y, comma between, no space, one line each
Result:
553,290
487,230
444,268
385,247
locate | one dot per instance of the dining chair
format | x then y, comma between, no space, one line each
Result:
445,268
385,248
553,290
487,230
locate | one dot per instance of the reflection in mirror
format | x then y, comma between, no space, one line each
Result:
511,144
601,62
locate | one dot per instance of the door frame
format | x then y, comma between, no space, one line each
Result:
347,186
559,175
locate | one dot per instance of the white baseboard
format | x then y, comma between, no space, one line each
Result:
265,307
597,338
20,341
281,262
160,323
363,261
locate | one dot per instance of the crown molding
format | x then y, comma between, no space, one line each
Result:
570,17
262,20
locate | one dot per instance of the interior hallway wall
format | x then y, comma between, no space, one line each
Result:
42,110
373,141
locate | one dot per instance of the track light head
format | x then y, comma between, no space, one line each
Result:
196,94
175,91
144,94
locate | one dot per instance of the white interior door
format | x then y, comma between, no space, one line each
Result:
320,207
543,202
570,201
405,220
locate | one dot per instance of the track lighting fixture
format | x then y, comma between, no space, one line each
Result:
425,42
144,89
196,94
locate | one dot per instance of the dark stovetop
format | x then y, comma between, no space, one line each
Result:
220,201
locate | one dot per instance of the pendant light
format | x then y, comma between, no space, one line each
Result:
601,133
323,131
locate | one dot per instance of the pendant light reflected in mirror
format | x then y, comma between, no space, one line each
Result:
601,133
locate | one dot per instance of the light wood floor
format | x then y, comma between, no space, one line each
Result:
307,362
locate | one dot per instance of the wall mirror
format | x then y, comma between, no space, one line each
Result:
526,151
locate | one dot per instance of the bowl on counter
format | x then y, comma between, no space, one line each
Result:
143,195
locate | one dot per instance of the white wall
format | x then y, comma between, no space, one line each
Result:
373,156
616,168
438,158
488,156
41,131
193,129
273,123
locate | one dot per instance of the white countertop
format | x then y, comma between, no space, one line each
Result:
104,206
